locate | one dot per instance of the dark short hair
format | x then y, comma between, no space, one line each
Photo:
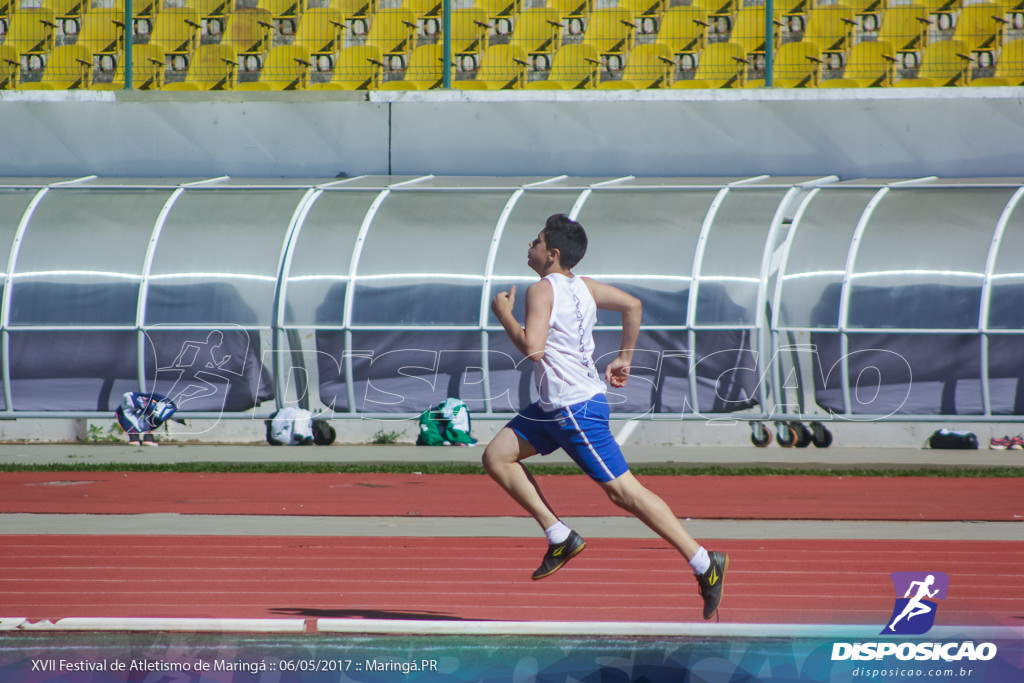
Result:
567,236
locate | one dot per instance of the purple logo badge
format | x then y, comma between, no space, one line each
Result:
916,593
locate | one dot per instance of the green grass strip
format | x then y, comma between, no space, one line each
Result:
463,468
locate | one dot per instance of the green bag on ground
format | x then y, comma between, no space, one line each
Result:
446,424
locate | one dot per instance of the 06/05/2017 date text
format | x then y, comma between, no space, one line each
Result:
376,665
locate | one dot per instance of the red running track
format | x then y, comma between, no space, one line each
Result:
461,495
779,581
224,576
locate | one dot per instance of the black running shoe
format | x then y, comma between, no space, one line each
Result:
711,583
560,553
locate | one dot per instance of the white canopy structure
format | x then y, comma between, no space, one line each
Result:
767,299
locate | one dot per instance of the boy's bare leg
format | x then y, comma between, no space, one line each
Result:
502,460
649,508
629,494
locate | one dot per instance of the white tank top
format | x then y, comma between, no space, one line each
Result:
566,374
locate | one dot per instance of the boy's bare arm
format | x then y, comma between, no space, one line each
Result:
530,340
612,298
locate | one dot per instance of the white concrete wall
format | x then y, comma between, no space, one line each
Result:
143,134
861,133
880,133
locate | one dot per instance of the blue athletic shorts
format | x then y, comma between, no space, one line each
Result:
581,429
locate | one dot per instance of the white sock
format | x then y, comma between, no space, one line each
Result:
700,562
557,533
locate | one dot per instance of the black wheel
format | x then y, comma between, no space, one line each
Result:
821,437
759,436
803,435
786,435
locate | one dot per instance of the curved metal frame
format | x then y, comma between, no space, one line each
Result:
766,331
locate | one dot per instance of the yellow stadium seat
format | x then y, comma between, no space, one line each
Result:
721,65
610,31
979,25
648,65
212,67
10,67
545,85
830,27
721,7
67,14
357,15
1009,66
866,6
574,67
392,31
684,28
176,31
905,26
143,12
497,8
250,32
748,30
639,8
572,14
946,62
103,33
349,8
321,31
7,8
796,65
213,15
538,33
935,6
147,70
31,33
422,8
500,14
503,67
570,8
424,71
645,15
832,83
284,15
424,14
68,67
469,31
798,6
869,64
358,67
287,67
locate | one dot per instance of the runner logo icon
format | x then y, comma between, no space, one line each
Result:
915,608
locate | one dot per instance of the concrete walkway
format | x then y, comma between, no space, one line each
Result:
496,527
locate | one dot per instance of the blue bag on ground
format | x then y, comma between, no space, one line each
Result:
142,413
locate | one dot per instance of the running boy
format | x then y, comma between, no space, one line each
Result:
572,412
